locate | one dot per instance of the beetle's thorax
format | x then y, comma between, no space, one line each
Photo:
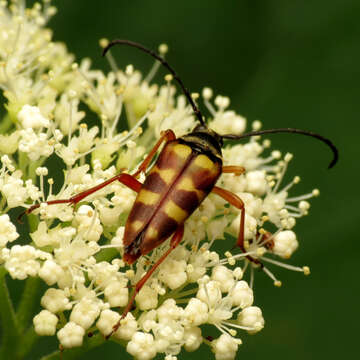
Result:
204,140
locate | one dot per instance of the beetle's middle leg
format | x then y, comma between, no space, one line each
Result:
237,170
174,242
234,200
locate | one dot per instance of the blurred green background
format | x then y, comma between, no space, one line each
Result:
290,64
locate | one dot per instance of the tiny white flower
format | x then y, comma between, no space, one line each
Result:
256,182
22,262
210,293
252,318
31,117
147,320
109,216
242,295
168,335
117,293
170,357
106,321
141,346
76,174
225,347
45,323
67,114
147,298
8,231
169,311
55,300
285,243
13,190
35,145
50,272
224,277
88,223
228,122
172,273
71,335
128,327
85,312
196,312
192,338
9,143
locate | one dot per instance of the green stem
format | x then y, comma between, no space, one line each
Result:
106,255
177,293
63,320
182,301
33,222
32,168
130,116
10,332
185,293
89,344
5,124
26,342
22,162
207,342
2,203
28,300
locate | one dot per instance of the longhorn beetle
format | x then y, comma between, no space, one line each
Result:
184,173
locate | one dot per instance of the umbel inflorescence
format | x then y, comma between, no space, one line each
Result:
77,251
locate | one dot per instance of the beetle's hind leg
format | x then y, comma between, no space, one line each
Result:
234,200
174,242
126,179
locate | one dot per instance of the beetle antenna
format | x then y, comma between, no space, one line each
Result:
164,63
289,130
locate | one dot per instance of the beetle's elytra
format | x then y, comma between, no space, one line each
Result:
185,172
179,181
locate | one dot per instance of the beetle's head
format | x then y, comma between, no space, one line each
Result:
204,130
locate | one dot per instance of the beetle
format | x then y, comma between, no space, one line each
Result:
185,172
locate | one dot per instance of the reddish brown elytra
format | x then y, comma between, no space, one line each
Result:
185,172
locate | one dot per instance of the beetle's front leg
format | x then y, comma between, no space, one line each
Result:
166,136
234,200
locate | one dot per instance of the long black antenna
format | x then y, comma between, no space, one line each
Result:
289,130
163,62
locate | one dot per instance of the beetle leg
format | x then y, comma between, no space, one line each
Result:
234,200
126,179
166,136
237,170
174,242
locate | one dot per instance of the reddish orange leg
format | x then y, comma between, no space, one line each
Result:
126,179
166,136
237,170
238,203
174,242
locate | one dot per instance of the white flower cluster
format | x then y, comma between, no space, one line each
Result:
72,249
